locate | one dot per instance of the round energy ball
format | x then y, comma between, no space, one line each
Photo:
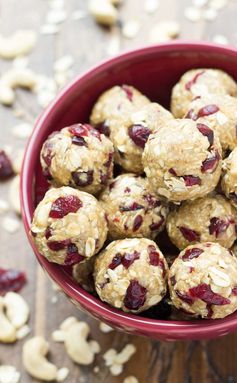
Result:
207,219
199,82
68,226
220,112
203,281
130,274
78,156
229,177
132,209
182,160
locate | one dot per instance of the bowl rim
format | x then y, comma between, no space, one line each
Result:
169,329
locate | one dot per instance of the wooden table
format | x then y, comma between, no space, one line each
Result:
196,362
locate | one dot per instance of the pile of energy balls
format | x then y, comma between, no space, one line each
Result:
176,171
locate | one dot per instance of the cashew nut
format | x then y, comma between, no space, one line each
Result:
9,374
19,44
35,362
103,11
17,310
14,78
7,330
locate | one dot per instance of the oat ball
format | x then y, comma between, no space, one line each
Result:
68,226
132,209
130,274
203,281
229,177
78,156
207,219
220,111
199,82
182,160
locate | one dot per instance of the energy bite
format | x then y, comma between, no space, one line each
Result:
132,209
220,112
78,156
203,281
198,83
229,177
182,160
207,219
68,226
130,274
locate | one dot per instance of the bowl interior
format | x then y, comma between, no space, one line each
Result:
153,70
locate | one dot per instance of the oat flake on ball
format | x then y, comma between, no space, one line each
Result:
68,226
182,160
203,281
130,274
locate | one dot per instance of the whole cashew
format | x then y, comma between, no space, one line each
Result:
17,310
34,360
14,78
7,330
19,44
76,343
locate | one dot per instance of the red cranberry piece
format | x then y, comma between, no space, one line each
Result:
192,253
116,261
157,225
83,178
11,280
6,169
135,296
191,180
139,135
173,172
208,110
205,293
190,83
47,152
58,245
128,92
48,232
137,222
209,311
103,128
189,234
152,201
154,258
217,226
207,132
65,205
108,163
78,130
111,185
234,290
133,207
210,163
80,141
192,115
184,297
233,196
73,256
127,190
129,258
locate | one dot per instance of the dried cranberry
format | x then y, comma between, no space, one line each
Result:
207,132
129,258
127,190
218,226
210,163
191,180
11,280
73,256
190,83
6,169
48,232
128,92
151,200
58,245
157,225
209,311
47,152
78,130
234,290
189,234
173,172
192,115
112,185
103,128
65,205
135,296
154,256
192,253
133,207
184,297
233,196
205,293
137,222
108,163
80,141
116,261
207,110
139,134
83,178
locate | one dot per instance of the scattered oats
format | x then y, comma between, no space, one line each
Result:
94,346
60,78
62,374
192,14
130,379
49,29
23,331
56,16
116,369
44,97
217,4
130,29
164,31
58,336
4,206
54,299
78,14
199,3
210,14
220,39
22,130
56,4
105,328
14,195
151,6
96,369
113,45
9,374
17,161
11,225
56,287
8,149
20,62
19,113
64,63
103,11
116,360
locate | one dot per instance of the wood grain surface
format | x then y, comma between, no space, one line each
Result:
154,362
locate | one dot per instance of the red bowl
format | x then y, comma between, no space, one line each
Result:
153,70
